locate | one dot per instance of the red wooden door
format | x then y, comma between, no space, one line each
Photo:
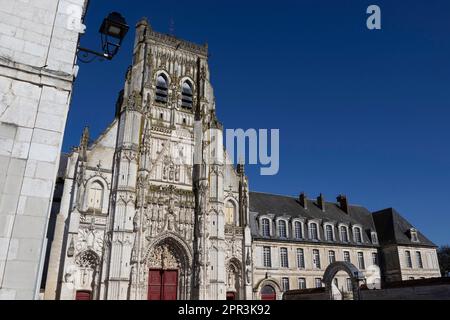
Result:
170,285
231,296
154,285
163,285
268,293
83,295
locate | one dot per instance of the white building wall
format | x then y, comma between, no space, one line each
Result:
38,41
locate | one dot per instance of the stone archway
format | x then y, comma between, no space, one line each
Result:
355,276
168,258
234,279
270,284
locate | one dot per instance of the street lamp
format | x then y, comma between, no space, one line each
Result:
113,30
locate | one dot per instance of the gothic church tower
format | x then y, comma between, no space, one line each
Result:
169,217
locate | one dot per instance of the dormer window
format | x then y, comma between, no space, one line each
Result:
344,233
186,95
282,229
329,232
298,230
374,237
313,234
162,89
265,227
357,235
414,236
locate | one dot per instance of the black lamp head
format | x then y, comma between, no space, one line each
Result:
114,25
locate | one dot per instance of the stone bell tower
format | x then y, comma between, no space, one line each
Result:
166,210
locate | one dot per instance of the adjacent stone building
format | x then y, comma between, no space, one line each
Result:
38,43
153,210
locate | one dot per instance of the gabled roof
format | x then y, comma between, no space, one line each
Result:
392,228
263,203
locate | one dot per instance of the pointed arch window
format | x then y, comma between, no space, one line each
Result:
230,213
187,95
95,197
162,88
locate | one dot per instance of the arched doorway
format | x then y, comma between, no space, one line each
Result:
168,271
268,293
87,280
355,277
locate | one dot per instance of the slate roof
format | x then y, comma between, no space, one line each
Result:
279,206
392,228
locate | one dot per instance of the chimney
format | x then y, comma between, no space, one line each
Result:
343,203
303,200
321,202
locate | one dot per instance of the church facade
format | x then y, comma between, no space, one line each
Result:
153,209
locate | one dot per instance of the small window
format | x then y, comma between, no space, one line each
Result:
265,226
329,232
318,282
284,258
267,257
285,284
408,259
186,95
313,235
95,197
374,238
282,229
162,89
302,283
358,235
347,256
331,256
300,258
375,258
414,236
230,213
316,259
298,230
344,234
419,260
361,262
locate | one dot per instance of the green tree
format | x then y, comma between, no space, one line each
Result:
444,259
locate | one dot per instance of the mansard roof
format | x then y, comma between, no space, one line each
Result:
285,206
392,228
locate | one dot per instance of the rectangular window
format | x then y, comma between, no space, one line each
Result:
302,283
349,285
267,257
375,258
361,262
419,260
331,257
284,258
318,282
329,233
316,259
408,259
298,230
347,256
300,258
285,284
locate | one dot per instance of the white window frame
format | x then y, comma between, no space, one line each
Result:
260,220
374,237
359,255
349,256
326,233
264,257
329,256
340,233
408,259
299,266
314,262
357,227
287,258
286,221
317,223
302,280
302,228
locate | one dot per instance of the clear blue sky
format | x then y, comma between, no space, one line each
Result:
364,113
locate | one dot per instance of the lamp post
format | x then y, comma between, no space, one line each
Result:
113,30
